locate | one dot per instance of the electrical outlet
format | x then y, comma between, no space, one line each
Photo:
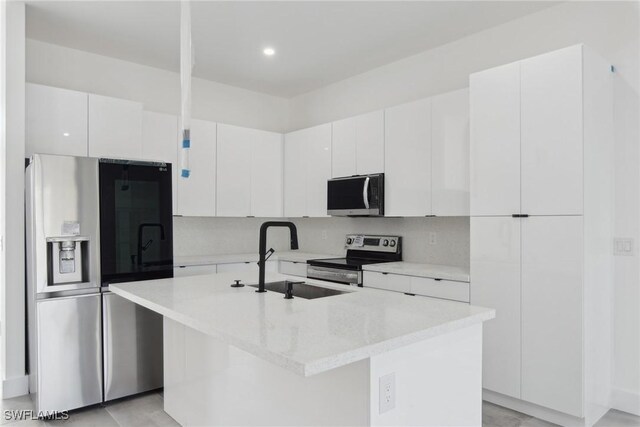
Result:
623,247
387,392
324,235
433,238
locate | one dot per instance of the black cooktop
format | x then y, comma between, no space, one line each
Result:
344,263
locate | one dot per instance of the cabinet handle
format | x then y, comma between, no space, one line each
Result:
411,295
520,215
384,273
437,280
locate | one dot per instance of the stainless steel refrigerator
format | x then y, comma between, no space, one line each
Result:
92,222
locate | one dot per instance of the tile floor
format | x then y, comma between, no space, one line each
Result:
146,410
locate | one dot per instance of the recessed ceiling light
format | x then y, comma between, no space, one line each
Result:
269,51
65,134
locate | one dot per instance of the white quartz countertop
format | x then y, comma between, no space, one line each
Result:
305,336
435,271
295,256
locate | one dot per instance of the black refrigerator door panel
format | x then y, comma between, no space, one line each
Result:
136,223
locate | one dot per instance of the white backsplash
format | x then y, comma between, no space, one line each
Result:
212,236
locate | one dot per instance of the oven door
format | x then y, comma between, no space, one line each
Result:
136,221
361,195
347,277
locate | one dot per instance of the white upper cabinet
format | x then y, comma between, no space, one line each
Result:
450,153
249,169
495,141
408,159
358,145
307,170
234,170
160,142
266,175
197,193
551,105
318,140
115,128
56,121
295,174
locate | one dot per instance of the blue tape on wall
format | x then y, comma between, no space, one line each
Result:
185,173
186,143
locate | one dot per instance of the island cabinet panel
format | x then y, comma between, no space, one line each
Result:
160,143
495,283
233,168
197,193
358,145
552,316
306,171
115,128
450,153
386,281
495,141
408,159
56,121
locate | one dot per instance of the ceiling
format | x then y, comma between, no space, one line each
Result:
316,43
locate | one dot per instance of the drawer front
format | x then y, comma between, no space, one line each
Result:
239,267
446,289
293,268
194,270
386,281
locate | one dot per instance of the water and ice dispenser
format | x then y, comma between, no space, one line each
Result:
67,260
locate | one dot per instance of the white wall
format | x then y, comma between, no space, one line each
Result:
12,280
610,28
157,89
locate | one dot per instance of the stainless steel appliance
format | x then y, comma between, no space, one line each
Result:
361,250
92,222
358,195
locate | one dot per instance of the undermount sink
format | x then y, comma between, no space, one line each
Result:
302,290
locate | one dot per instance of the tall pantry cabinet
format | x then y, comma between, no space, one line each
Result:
541,231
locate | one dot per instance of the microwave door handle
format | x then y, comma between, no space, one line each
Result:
365,193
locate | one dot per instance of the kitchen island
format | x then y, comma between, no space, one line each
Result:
365,357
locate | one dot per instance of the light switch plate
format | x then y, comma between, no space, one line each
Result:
624,246
387,392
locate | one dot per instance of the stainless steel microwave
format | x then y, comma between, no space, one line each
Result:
358,195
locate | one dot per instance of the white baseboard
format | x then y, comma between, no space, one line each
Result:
626,401
14,387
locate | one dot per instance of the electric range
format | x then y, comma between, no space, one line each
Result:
361,250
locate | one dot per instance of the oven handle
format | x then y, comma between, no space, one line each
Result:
365,193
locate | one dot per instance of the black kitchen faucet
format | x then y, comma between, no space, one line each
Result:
263,246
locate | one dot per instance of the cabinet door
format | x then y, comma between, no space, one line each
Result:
386,281
197,193
370,143
438,288
293,268
318,166
194,270
295,175
115,128
238,267
495,141
343,148
450,153
160,143
552,133
408,159
234,170
552,312
56,121
266,175
495,283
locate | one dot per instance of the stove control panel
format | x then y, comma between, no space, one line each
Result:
364,242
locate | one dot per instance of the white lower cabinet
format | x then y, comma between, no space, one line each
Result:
386,281
552,312
438,288
194,270
495,283
293,268
271,267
